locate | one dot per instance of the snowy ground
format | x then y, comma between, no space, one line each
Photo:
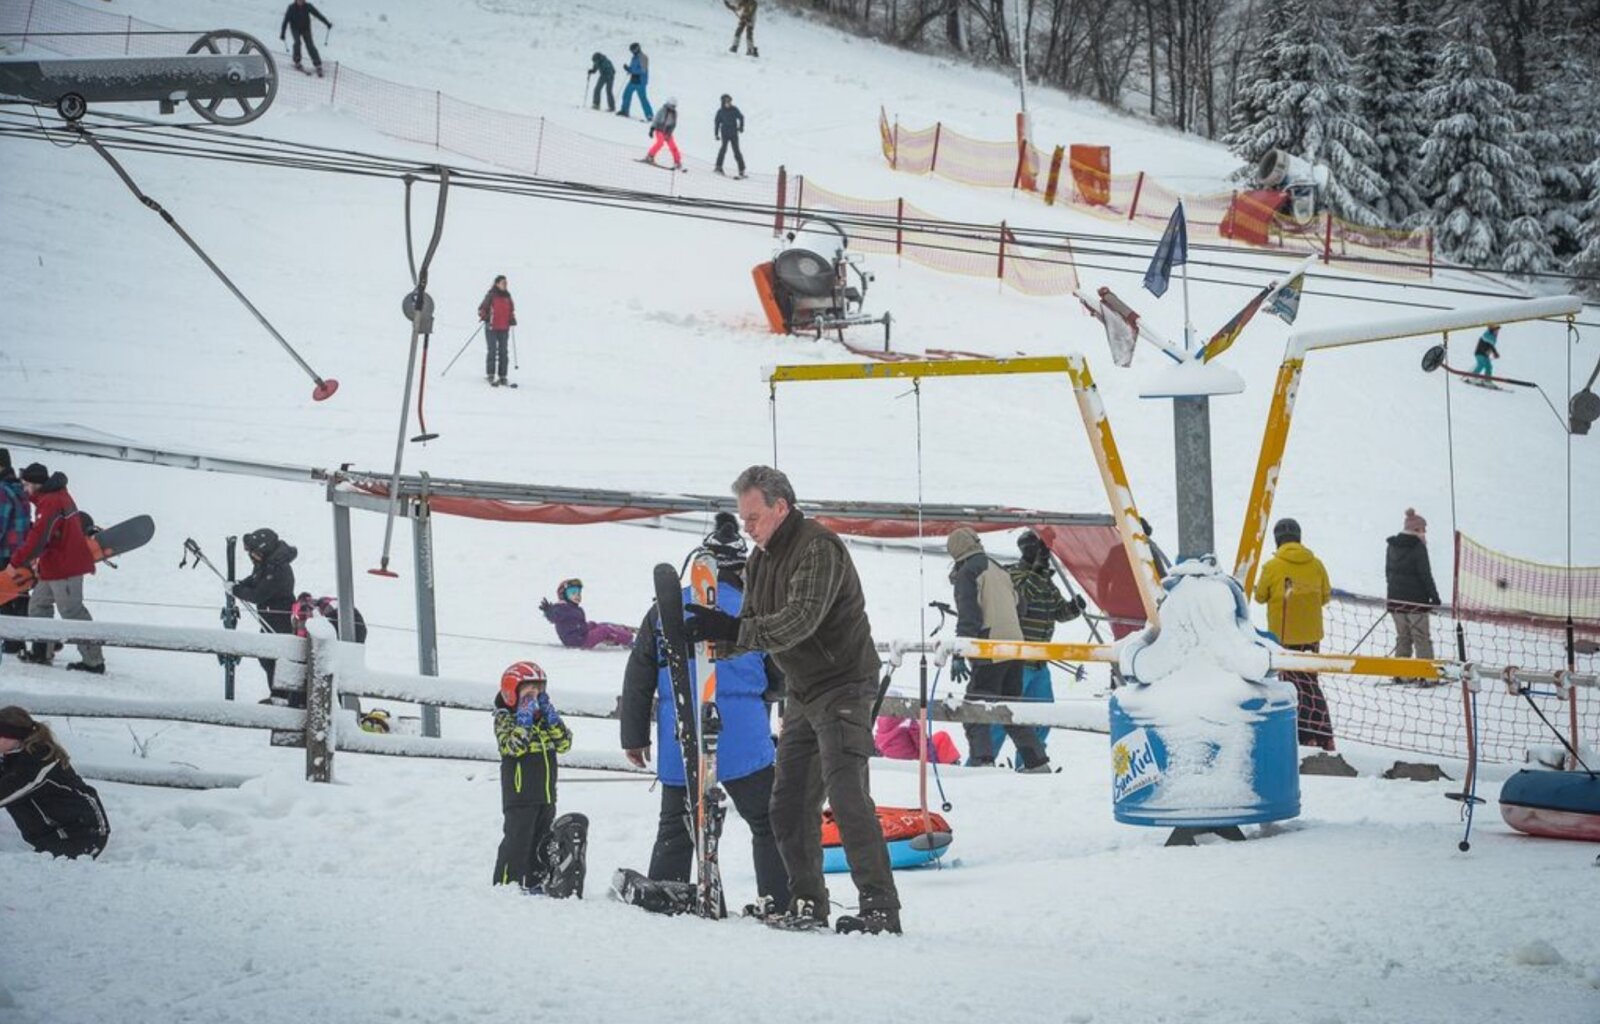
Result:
365,900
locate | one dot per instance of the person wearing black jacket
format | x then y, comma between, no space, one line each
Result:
54,809
297,19
729,124
601,65
1411,590
270,588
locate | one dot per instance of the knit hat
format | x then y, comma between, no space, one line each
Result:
1031,547
35,473
1415,524
726,543
1286,531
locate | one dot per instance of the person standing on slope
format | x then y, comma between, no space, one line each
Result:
1294,586
638,69
661,129
270,588
746,11
729,125
986,609
58,551
1040,605
530,734
1411,591
804,606
14,522
600,64
499,314
745,750
297,19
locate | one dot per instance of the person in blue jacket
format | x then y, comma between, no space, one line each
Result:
638,69
745,754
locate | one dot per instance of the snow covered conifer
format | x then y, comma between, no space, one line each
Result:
1388,77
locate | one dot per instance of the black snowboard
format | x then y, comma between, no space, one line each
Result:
631,887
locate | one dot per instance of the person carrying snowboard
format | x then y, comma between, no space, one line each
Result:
746,11
728,126
58,551
661,129
530,734
270,588
1487,351
54,809
638,69
745,750
499,314
572,624
600,64
297,19
14,522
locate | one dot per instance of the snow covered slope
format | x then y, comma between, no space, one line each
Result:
640,346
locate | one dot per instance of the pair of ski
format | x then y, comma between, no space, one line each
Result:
705,803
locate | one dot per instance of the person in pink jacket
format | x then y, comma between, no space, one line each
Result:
896,739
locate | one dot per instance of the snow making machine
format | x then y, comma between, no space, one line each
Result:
804,292
1301,182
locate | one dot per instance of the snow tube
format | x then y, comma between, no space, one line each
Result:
1560,805
901,827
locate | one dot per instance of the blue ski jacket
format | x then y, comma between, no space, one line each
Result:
745,746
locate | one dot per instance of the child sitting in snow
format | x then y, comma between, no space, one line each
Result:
530,733
896,739
54,809
574,627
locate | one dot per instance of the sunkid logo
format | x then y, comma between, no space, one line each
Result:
1133,765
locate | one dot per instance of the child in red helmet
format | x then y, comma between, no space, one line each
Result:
530,733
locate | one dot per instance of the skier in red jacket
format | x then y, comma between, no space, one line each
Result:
59,553
499,314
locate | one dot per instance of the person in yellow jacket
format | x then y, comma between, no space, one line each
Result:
1294,587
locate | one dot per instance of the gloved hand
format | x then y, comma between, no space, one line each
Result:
710,624
548,710
526,712
960,671
1078,602
544,604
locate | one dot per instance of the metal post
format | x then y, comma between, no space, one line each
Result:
1191,428
345,587
427,619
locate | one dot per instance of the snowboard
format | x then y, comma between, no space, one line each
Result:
565,856
711,803
103,544
657,897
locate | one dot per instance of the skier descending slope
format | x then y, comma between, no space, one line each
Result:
297,19
804,606
745,755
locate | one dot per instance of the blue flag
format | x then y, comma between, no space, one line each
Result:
1285,304
1172,250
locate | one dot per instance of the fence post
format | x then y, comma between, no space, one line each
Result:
127,40
1000,273
333,92
1430,252
938,129
538,149
438,101
1138,186
899,225
320,687
783,195
800,200
894,161
1327,236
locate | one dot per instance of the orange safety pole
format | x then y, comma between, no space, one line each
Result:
1001,272
1138,187
899,225
1055,176
783,191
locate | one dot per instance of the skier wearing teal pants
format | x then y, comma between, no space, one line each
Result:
638,69
1040,605
1486,352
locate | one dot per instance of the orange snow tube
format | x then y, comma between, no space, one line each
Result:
900,825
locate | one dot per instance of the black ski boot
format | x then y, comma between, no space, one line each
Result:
565,856
764,909
84,666
876,921
803,916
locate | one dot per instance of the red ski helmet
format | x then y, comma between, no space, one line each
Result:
517,674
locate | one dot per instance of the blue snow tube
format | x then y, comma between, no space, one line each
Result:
1558,805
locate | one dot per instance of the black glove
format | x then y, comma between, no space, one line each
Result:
1079,603
710,624
960,671
544,605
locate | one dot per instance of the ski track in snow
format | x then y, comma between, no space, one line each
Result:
367,900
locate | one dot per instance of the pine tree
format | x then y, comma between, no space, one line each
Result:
1558,129
1389,77
1471,162
1587,262
1299,99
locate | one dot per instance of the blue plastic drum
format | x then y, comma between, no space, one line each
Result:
1205,775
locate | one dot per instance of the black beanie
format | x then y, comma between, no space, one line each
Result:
1287,531
35,473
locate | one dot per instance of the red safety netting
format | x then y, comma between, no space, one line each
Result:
1088,186
1495,583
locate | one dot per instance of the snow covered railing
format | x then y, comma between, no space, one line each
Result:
292,652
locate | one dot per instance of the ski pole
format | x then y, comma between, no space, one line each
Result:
516,362
192,550
464,345
586,88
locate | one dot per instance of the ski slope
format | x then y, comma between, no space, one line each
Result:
640,344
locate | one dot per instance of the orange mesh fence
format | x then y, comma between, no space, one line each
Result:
914,234
524,143
1086,184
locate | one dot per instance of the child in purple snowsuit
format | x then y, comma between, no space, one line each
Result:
574,627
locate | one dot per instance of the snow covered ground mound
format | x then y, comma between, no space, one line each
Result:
640,343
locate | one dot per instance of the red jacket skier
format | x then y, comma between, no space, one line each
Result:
499,314
55,541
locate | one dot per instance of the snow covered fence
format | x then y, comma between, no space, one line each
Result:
290,651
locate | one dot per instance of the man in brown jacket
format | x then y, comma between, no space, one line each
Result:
804,607
986,608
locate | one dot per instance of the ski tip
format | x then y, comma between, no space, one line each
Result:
324,390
